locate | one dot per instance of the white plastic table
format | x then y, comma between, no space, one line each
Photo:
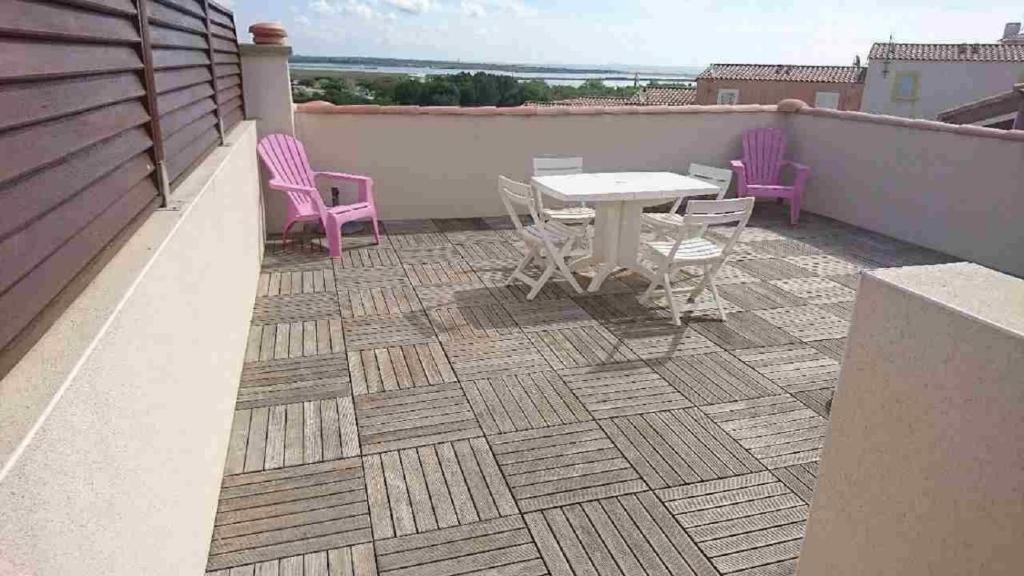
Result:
619,199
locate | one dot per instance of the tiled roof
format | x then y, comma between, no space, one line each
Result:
784,73
665,96
584,102
948,52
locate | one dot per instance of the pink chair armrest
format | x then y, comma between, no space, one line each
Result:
737,165
797,166
344,176
286,187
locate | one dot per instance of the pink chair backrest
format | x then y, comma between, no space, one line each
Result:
763,151
286,159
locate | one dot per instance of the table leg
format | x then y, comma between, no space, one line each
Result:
606,242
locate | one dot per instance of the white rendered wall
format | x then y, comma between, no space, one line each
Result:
942,85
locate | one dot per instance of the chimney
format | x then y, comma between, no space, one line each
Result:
1011,32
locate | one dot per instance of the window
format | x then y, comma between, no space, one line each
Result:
904,86
826,100
729,96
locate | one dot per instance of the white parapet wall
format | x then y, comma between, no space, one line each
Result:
444,163
115,467
956,189
923,469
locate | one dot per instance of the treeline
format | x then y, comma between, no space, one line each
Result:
463,89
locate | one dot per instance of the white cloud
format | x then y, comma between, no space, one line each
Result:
360,9
409,6
473,9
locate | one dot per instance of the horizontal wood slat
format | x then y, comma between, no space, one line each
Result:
61,22
28,103
171,79
165,37
29,59
33,147
94,96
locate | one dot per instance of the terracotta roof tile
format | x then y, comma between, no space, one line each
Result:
948,52
784,73
665,96
583,102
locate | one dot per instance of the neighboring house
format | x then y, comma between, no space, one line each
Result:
839,87
1011,34
646,96
922,80
1004,111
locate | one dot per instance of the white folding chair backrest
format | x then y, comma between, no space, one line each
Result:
706,213
516,195
718,176
557,165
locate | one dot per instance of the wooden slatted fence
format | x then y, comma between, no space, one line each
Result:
105,105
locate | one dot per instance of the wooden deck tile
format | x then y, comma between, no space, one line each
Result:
499,547
491,254
429,254
477,237
414,417
548,314
727,274
582,346
398,367
742,330
817,290
385,331
611,310
523,402
817,400
779,431
444,273
295,307
460,224
356,560
293,511
517,291
807,323
309,280
656,337
826,265
800,478
375,277
759,295
747,523
418,240
774,268
289,260
560,465
416,490
632,534
621,389
851,281
471,323
714,378
280,340
795,367
369,257
678,447
842,310
293,434
786,247
378,301
450,296
476,359
747,251
293,380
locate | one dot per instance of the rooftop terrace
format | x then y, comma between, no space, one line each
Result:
403,411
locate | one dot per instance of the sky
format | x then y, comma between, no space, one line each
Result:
640,32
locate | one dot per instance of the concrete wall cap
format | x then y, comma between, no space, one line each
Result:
791,105
264,50
910,123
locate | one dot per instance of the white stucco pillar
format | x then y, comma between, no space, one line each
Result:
923,469
267,90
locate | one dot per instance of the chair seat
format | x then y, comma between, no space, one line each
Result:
694,250
348,207
535,235
570,214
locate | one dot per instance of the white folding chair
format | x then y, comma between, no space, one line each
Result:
685,249
556,166
720,177
549,241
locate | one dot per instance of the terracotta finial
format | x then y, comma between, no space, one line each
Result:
791,105
268,33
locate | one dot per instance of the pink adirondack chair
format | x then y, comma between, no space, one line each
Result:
290,173
759,173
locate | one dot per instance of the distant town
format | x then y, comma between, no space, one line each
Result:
952,82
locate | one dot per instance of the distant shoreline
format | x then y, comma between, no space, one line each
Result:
452,65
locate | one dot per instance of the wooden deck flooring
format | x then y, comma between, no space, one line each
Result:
403,412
